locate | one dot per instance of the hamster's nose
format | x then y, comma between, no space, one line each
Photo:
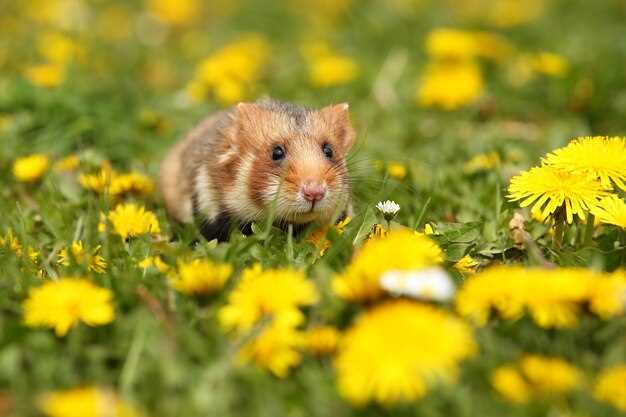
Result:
313,191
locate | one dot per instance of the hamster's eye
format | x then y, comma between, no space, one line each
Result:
328,151
278,153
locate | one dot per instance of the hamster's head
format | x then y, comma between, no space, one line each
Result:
292,160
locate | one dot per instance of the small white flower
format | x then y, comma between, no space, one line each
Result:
426,284
388,208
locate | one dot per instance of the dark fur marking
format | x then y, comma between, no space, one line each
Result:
220,228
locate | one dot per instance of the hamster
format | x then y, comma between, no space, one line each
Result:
259,159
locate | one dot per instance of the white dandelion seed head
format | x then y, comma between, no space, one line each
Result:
424,284
388,207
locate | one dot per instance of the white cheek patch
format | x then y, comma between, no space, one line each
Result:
237,199
205,193
227,156
274,186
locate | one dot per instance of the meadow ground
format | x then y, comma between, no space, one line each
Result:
463,304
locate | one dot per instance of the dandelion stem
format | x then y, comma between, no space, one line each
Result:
290,243
129,370
589,229
557,238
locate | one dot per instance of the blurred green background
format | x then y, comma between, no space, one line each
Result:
450,98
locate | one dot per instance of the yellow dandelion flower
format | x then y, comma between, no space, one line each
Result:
553,297
610,387
45,75
274,292
102,223
179,12
130,220
132,182
154,262
551,189
231,72
550,64
376,232
509,383
200,276
332,70
318,237
535,376
549,375
396,170
611,210
94,261
383,357
98,182
492,46
509,13
12,243
322,340
467,265
274,349
33,254
68,164
62,304
399,250
58,49
607,296
450,85
30,168
456,44
327,67
116,184
448,43
482,162
600,156
85,402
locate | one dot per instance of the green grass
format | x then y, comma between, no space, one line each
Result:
108,109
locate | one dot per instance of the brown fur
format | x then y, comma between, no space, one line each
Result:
225,163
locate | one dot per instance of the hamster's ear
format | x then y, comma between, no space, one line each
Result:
338,120
247,117
237,132
241,132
